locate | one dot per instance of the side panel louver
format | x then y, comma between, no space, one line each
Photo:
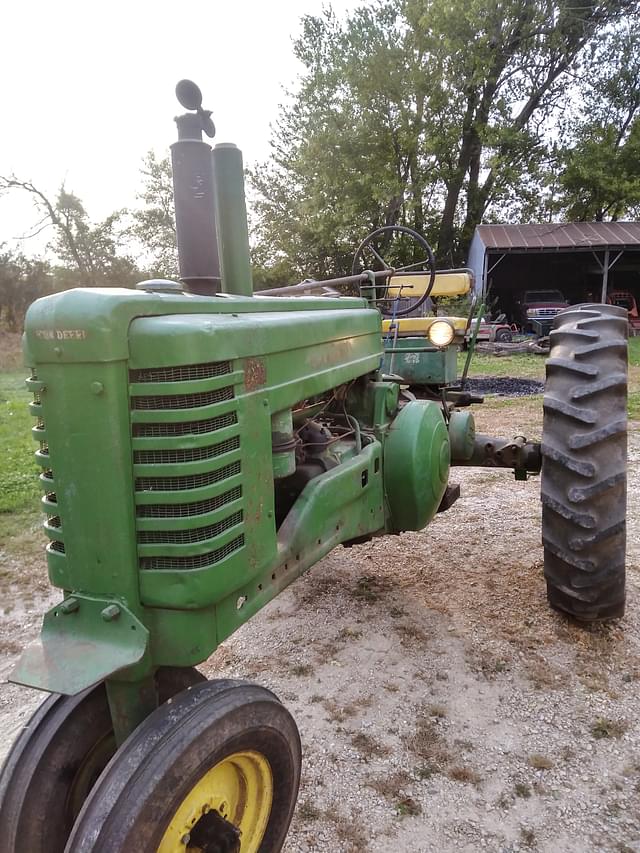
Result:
53,522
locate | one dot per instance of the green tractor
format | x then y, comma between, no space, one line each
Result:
201,447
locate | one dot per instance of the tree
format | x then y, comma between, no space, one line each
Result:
154,226
601,174
21,281
430,112
93,253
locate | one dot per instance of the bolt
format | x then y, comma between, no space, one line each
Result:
69,605
186,838
206,808
110,613
97,388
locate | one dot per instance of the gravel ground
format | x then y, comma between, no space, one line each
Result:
442,706
505,386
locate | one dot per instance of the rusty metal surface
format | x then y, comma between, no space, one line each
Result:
255,373
551,236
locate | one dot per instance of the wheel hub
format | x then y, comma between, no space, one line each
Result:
213,834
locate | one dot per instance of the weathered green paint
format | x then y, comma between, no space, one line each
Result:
416,465
420,365
462,435
231,219
78,647
130,702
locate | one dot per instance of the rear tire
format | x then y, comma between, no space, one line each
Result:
584,469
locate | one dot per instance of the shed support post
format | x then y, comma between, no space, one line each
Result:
605,276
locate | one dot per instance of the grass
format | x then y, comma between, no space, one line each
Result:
605,728
540,762
19,488
369,747
524,365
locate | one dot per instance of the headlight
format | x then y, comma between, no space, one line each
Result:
441,333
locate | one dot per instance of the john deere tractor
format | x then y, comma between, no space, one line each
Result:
201,447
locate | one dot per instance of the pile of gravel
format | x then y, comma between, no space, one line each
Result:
505,386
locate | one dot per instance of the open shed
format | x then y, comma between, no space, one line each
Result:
584,260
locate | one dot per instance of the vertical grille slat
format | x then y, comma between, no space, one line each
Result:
179,541
52,522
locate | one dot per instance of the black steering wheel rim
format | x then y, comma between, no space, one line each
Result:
415,235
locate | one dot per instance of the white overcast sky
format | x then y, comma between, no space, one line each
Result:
87,88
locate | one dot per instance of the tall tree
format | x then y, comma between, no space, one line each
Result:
601,175
21,281
154,226
430,112
93,253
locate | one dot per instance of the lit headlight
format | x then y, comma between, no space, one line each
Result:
441,333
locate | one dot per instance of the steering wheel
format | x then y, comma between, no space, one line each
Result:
368,244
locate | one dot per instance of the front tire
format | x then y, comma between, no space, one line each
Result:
56,760
584,451
216,769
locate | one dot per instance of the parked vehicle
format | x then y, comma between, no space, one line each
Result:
625,299
539,307
497,330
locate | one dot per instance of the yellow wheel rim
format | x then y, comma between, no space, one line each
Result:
240,789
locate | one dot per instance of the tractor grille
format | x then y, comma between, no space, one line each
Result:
184,373
202,561
188,472
197,534
185,454
188,428
185,510
183,401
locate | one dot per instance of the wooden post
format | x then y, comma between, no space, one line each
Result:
605,276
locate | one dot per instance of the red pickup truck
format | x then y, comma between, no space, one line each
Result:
539,307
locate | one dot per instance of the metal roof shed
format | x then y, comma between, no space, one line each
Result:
606,242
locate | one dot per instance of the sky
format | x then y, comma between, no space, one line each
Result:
88,88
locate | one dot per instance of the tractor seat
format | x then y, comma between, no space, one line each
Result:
419,326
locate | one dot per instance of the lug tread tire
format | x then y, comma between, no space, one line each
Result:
139,791
584,452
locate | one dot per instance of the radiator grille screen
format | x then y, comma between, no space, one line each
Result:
185,454
200,561
169,429
166,443
186,510
182,373
182,401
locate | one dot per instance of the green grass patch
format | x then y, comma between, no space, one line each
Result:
19,488
524,365
634,351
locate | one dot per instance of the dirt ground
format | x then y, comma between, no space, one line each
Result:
442,705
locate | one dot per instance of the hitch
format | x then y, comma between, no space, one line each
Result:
522,456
